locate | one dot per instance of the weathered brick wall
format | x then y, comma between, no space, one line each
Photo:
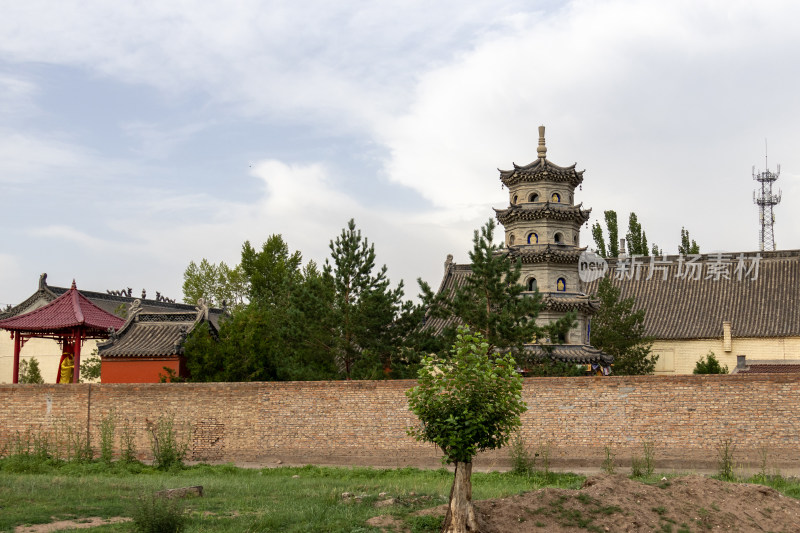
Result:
363,422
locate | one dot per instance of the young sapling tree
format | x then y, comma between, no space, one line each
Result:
466,404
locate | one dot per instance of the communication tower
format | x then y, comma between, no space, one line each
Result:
766,200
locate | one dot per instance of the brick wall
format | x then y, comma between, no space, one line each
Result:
363,422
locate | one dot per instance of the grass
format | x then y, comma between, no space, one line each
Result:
280,499
39,490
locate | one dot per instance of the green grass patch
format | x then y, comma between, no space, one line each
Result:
236,499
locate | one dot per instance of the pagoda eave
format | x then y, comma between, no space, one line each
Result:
546,211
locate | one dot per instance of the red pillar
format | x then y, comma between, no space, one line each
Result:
77,356
17,346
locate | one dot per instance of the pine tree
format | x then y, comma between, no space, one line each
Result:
364,306
618,330
491,301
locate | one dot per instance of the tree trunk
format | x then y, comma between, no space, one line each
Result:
460,513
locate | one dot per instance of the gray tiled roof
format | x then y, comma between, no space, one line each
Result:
570,353
541,170
677,308
150,335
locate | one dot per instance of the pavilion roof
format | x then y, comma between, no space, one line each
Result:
68,311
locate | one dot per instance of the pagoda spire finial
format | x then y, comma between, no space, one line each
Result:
542,149
73,284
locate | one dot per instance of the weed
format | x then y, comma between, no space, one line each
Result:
168,450
762,464
127,443
649,463
545,450
608,462
153,514
637,466
107,426
725,450
661,510
521,460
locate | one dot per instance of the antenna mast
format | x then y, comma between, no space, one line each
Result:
766,200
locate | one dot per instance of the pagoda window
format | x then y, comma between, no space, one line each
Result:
534,197
561,285
574,239
514,201
558,238
511,239
533,238
556,198
532,287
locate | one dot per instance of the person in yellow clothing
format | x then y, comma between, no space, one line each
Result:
65,368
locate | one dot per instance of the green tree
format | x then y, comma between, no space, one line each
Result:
29,371
90,367
491,301
612,249
272,272
688,246
466,404
637,238
278,335
618,330
364,306
709,365
215,283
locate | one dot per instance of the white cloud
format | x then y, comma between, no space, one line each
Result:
659,101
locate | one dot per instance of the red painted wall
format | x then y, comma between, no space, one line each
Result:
138,370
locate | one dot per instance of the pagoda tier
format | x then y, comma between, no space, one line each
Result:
546,253
541,170
543,211
564,303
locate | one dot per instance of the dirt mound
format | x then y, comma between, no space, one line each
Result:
616,503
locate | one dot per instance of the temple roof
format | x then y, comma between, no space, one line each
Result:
541,170
68,311
546,210
106,301
686,308
579,354
148,334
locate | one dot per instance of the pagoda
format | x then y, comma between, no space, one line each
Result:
542,230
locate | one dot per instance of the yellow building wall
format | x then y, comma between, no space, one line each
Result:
46,351
680,356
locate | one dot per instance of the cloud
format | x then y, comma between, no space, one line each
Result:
659,101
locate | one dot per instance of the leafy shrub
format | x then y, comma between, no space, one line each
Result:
709,365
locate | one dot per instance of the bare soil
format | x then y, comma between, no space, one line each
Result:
616,503
61,525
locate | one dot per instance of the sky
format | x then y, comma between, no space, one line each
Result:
136,137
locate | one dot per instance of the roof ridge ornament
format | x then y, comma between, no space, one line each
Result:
542,149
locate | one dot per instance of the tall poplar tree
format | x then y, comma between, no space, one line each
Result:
687,246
